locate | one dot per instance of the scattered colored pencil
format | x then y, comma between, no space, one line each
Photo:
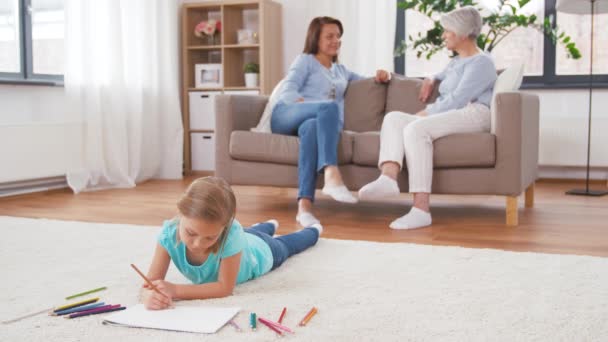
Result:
236,326
77,304
28,316
147,280
77,309
271,327
252,321
86,293
275,324
99,310
308,316
282,315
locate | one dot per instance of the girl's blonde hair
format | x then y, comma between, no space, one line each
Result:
210,199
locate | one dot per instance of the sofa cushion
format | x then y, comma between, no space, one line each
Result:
402,95
280,149
457,150
364,105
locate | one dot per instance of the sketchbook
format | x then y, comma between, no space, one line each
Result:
206,320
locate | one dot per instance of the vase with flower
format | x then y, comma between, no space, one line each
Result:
209,30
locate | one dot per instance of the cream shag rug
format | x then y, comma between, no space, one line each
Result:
364,291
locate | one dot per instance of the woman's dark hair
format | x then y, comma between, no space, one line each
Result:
311,45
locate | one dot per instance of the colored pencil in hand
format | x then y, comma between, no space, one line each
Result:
308,316
148,281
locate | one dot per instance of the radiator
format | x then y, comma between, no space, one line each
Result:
38,151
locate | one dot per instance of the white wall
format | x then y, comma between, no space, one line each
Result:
563,133
39,150
564,123
36,138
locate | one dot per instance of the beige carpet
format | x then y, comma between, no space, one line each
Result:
364,291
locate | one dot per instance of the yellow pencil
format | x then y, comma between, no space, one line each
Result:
308,316
73,305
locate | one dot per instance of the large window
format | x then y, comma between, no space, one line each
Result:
31,41
546,65
579,28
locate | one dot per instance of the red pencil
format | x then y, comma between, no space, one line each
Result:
282,315
271,327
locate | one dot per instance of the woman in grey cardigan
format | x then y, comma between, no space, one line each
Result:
463,106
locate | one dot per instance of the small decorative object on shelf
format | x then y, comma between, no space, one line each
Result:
208,76
210,30
246,36
251,74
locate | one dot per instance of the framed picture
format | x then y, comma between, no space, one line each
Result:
208,76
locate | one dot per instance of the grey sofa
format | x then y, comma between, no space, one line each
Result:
500,163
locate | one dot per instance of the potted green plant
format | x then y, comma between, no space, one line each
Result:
498,24
252,71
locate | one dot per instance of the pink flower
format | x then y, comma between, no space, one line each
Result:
200,26
207,27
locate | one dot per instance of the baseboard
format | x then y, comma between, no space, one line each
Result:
572,173
34,185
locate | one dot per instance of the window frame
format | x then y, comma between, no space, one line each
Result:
26,75
549,79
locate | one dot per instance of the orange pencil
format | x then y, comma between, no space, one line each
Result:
308,316
148,281
282,315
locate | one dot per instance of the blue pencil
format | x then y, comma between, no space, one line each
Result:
80,308
96,311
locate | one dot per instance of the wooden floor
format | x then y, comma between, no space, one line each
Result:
557,224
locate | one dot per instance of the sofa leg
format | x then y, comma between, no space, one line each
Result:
530,196
512,219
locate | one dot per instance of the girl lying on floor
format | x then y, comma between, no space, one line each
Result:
210,248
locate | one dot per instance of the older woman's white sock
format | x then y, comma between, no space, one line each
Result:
416,218
340,193
382,187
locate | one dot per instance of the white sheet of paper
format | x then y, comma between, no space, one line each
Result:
207,320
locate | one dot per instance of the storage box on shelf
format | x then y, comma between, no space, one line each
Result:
250,32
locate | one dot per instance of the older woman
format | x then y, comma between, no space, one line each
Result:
463,106
311,105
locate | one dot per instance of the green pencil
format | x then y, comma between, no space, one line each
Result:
86,293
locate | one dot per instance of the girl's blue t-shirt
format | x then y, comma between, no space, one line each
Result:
256,257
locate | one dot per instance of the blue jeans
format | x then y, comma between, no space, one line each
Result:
284,246
318,125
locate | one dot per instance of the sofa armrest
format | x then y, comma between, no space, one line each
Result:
517,137
233,113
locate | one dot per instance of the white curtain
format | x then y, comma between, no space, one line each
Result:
368,42
121,80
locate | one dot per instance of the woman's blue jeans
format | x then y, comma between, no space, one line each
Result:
318,125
